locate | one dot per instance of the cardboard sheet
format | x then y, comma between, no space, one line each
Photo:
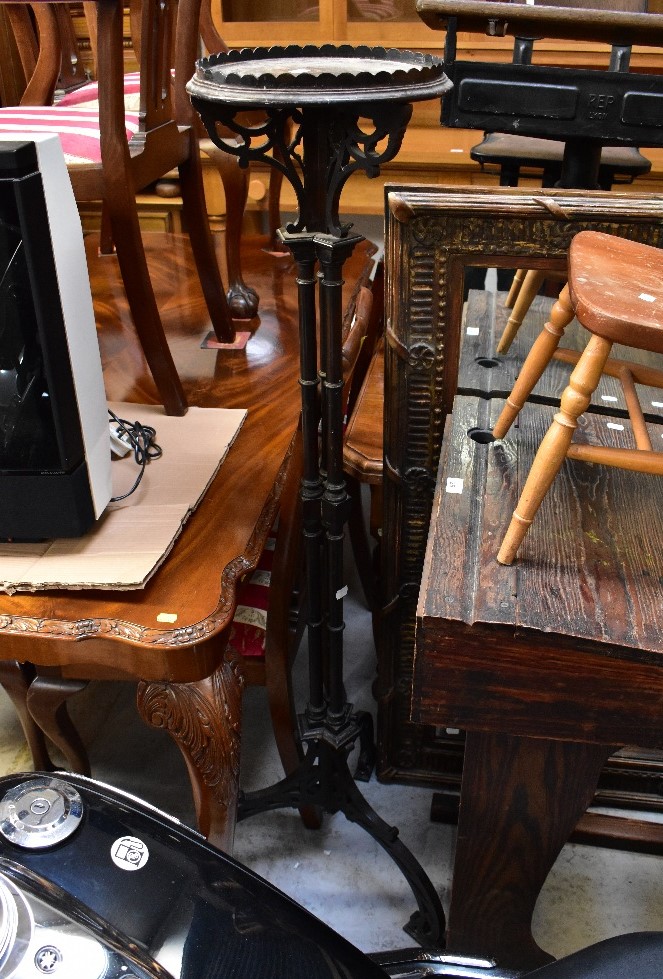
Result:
132,537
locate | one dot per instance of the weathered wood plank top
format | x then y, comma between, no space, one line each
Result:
567,642
591,567
484,373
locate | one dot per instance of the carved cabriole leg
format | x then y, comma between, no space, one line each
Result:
536,362
47,697
520,800
16,678
528,290
555,444
204,720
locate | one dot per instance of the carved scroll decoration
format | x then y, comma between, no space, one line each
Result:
204,719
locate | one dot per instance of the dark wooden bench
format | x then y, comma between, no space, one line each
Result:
548,665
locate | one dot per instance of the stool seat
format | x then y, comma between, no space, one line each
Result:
616,289
505,149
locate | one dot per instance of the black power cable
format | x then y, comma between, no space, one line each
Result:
140,438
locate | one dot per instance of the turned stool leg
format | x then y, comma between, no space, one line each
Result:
552,451
537,360
516,285
526,293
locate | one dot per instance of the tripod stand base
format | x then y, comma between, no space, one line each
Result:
323,779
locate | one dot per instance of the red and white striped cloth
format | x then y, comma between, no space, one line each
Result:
75,119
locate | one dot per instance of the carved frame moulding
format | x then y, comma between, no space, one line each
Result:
431,235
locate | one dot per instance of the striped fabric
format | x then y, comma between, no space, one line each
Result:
88,95
247,633
77,127
75,119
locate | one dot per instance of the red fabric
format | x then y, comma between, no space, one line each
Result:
248,630
78,128
90,92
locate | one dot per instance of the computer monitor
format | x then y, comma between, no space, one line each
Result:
54,443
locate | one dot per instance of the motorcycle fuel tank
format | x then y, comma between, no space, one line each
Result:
96,883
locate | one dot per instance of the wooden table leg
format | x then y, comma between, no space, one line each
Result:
47,702
204,720
520,800
16,678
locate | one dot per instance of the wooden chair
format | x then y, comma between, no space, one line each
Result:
242,298
615,290
112,154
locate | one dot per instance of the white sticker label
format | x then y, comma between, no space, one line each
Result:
167,617
341,593
609,397
129,853
454,484
473,331
617,428
647,298
455,150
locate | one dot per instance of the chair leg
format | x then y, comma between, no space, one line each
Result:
536,362
552,451
516,284
242,299
140,296
194,211
16,678
275,246
526,293
361,548
47,696
106,243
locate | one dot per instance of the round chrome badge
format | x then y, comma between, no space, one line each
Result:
40,812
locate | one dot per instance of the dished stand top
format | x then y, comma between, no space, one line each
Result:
312,75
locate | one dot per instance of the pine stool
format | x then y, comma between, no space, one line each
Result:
615,290
513,153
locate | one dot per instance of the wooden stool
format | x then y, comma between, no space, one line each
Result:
615,290
512,154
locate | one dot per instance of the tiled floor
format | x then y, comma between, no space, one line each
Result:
339,872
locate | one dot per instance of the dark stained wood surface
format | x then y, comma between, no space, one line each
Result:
550,665
362,447
487,374
224,536
582,574
614,21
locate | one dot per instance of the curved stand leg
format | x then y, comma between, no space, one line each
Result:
47,697
520,800
204,719
194,211
16,678
324,780
537,360
555,444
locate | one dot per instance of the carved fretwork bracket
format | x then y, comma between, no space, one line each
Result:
316,149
